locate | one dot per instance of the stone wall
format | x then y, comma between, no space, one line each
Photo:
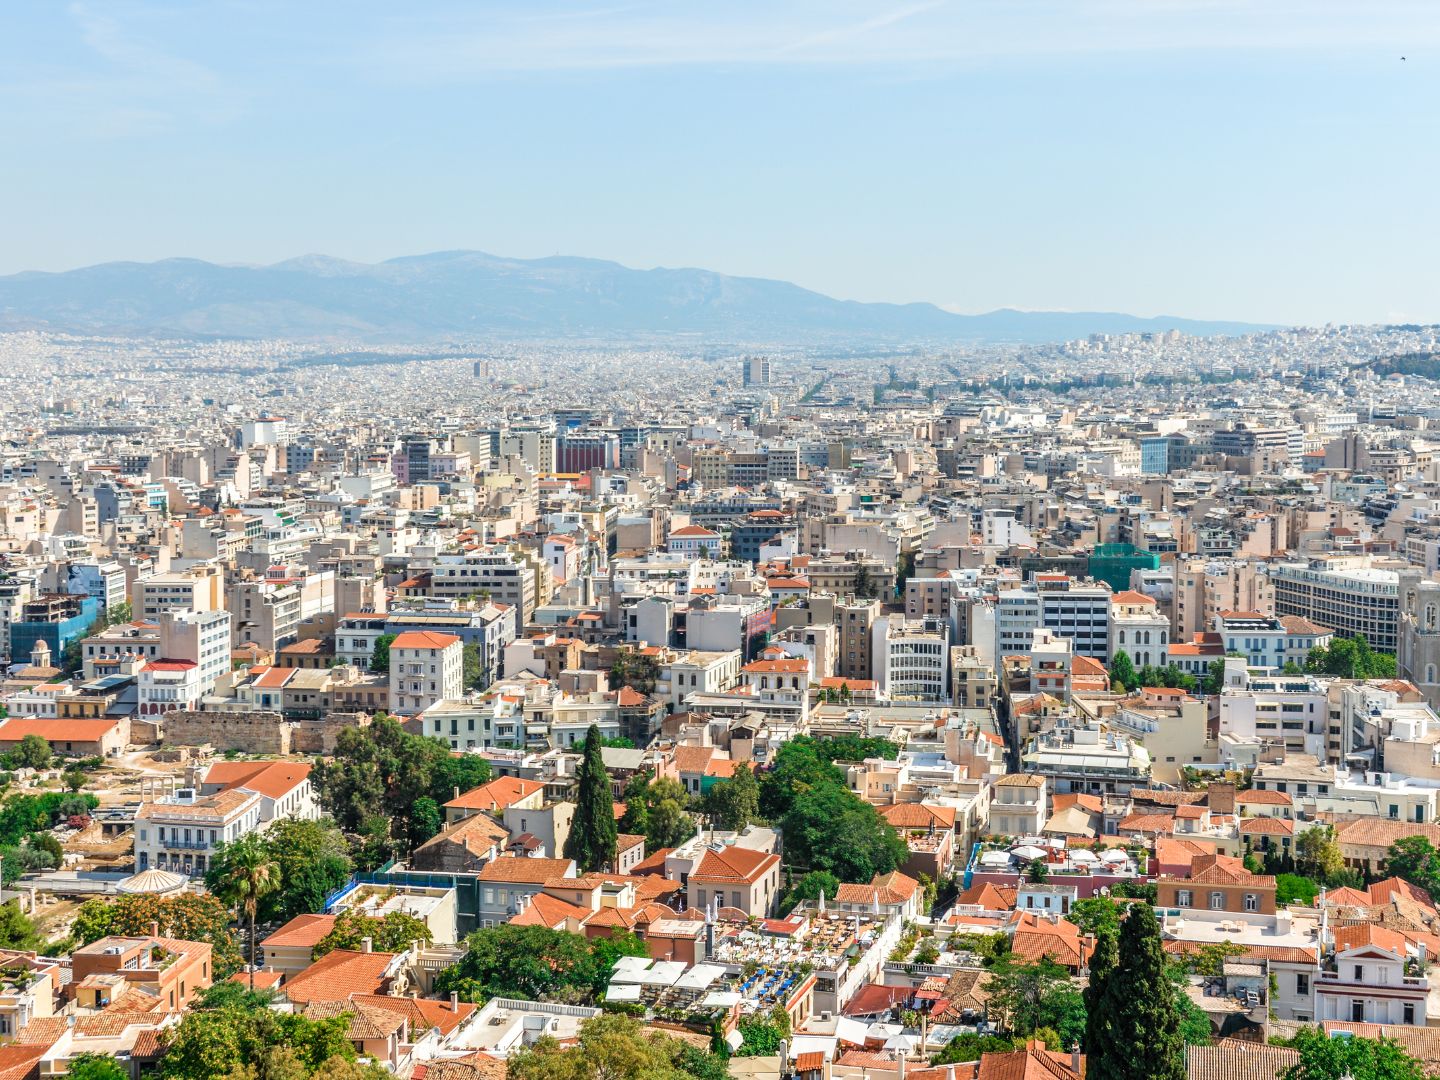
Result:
318,736
249,732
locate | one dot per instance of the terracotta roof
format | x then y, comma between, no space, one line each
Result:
1257,797
303,931
991,897
1266,826
1225,870
422,1013
497,794
16,728
919,816
525,871
273,779
733,865
1059,941
549,911
693,759
1362,935
1382,832
338,975
423,639
1231,1059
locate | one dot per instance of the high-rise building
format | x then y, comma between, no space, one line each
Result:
1345,595
756,370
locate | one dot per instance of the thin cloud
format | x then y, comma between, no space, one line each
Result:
478,43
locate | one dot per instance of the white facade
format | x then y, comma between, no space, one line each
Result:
425,667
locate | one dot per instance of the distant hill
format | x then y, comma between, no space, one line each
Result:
468,294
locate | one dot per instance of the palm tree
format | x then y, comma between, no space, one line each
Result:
248,875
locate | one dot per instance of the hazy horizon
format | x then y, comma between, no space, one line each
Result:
1210,159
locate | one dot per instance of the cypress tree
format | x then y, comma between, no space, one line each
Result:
592,842
1136,1021
1097,1031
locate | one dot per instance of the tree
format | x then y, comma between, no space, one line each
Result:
798,768
535,963
764,1033
233,1041
96,1067
1096,915
862,585
475,674
313,862
1415,859
380,655
592,839
1294,889
831,828
810,887
73,779
188,916
969,1047
1351,658
655,809
1027,996
383,765
1215,677
1329,1057
735,803
17,930
1103,961
614,1047
1036,872
1137,1026
1317,855
1122,673
638,670
33,752
392,932
249,875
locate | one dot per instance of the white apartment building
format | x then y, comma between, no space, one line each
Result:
1138,629
1292,711
506,579
1345,594
200,588
1270,642
425,667
180,832
912,659
199,636
1057,603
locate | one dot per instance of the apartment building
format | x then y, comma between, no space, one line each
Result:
1345,595
425,667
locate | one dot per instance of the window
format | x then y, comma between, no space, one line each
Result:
1357,1012
1217,901
1359,973
1184,898
1302,983
1252,902
1409,1012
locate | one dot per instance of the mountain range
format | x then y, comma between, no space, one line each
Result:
471,295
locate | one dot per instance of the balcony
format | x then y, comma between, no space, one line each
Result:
1334,982
185,845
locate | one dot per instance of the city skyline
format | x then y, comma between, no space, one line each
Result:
1191,159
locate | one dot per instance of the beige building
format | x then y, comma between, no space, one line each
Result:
1017,805
735,877
199,588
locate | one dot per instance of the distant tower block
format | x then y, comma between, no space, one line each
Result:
757,370
482,370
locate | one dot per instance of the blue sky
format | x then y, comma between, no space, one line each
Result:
1272,160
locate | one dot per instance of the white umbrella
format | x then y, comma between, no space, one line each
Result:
1029,854
1083,856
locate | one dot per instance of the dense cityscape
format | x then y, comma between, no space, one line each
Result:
956,711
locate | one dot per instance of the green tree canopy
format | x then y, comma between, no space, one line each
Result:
188,916
392,932
380,655
1122,673
1317,855
810,887
382,772
1135,1020
655,809
33,752
1335,1057
231,1041
615,1047
96,1067
536,963
1351,658
735,803
247,874
1415,859
831,828
1025,997
799,767
1096,915
17,930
